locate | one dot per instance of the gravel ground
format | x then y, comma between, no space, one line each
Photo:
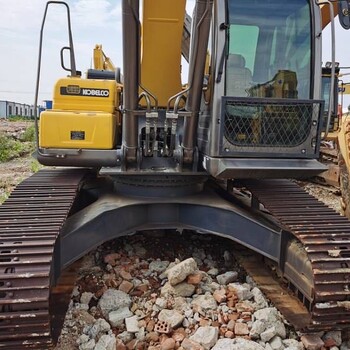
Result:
327,194
164,290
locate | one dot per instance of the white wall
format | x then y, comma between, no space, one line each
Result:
3,113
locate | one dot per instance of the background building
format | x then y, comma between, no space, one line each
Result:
10,109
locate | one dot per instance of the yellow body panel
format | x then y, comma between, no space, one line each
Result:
344,140
161,47
72,129
345,89
85,95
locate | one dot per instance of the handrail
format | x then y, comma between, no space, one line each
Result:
331,94
72,63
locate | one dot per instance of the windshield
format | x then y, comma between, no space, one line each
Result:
269,49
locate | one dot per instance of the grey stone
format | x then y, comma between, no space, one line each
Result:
206,336
188,344
84,338
188,313
227,277
272,321
250,281
186,323
268,334
213,272
141,334
199,253
210,263
88,345
335,335
209,287
140,251
227,258
81,306
182,289
276,343
181,305
242,291
259,299
125,336
205,302
84,318
161,302
180,271
117,317
158,266
75,291
172,317
112,300
244,344
132,324
198,261
237,344
223,344
280,329
293,344
86,298
100,326
269,315
345,345
106,342
258,327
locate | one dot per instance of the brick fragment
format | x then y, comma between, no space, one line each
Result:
312,342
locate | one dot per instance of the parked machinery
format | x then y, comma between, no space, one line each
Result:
335,149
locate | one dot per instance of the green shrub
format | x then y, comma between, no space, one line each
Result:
10,148
35,166
18,118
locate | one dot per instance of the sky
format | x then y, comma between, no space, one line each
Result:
93,22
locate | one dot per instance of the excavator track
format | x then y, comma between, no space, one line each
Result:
325,237
30,222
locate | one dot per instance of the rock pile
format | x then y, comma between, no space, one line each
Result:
197,303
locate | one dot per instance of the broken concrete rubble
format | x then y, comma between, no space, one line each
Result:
170,303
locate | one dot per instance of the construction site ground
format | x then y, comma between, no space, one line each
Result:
133,265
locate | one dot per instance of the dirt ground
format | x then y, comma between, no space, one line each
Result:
15,171
12,173
12,128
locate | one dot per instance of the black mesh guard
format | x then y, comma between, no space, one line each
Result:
258,122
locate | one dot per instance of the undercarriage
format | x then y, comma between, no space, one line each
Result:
57,216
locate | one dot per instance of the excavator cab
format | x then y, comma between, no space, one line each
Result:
266,92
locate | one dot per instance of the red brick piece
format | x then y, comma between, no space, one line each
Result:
312,342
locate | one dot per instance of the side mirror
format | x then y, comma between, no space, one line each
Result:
344,13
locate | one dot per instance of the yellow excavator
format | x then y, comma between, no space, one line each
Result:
335,151
215,156
101,60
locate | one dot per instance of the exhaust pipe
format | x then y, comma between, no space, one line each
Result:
199,45
131,63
